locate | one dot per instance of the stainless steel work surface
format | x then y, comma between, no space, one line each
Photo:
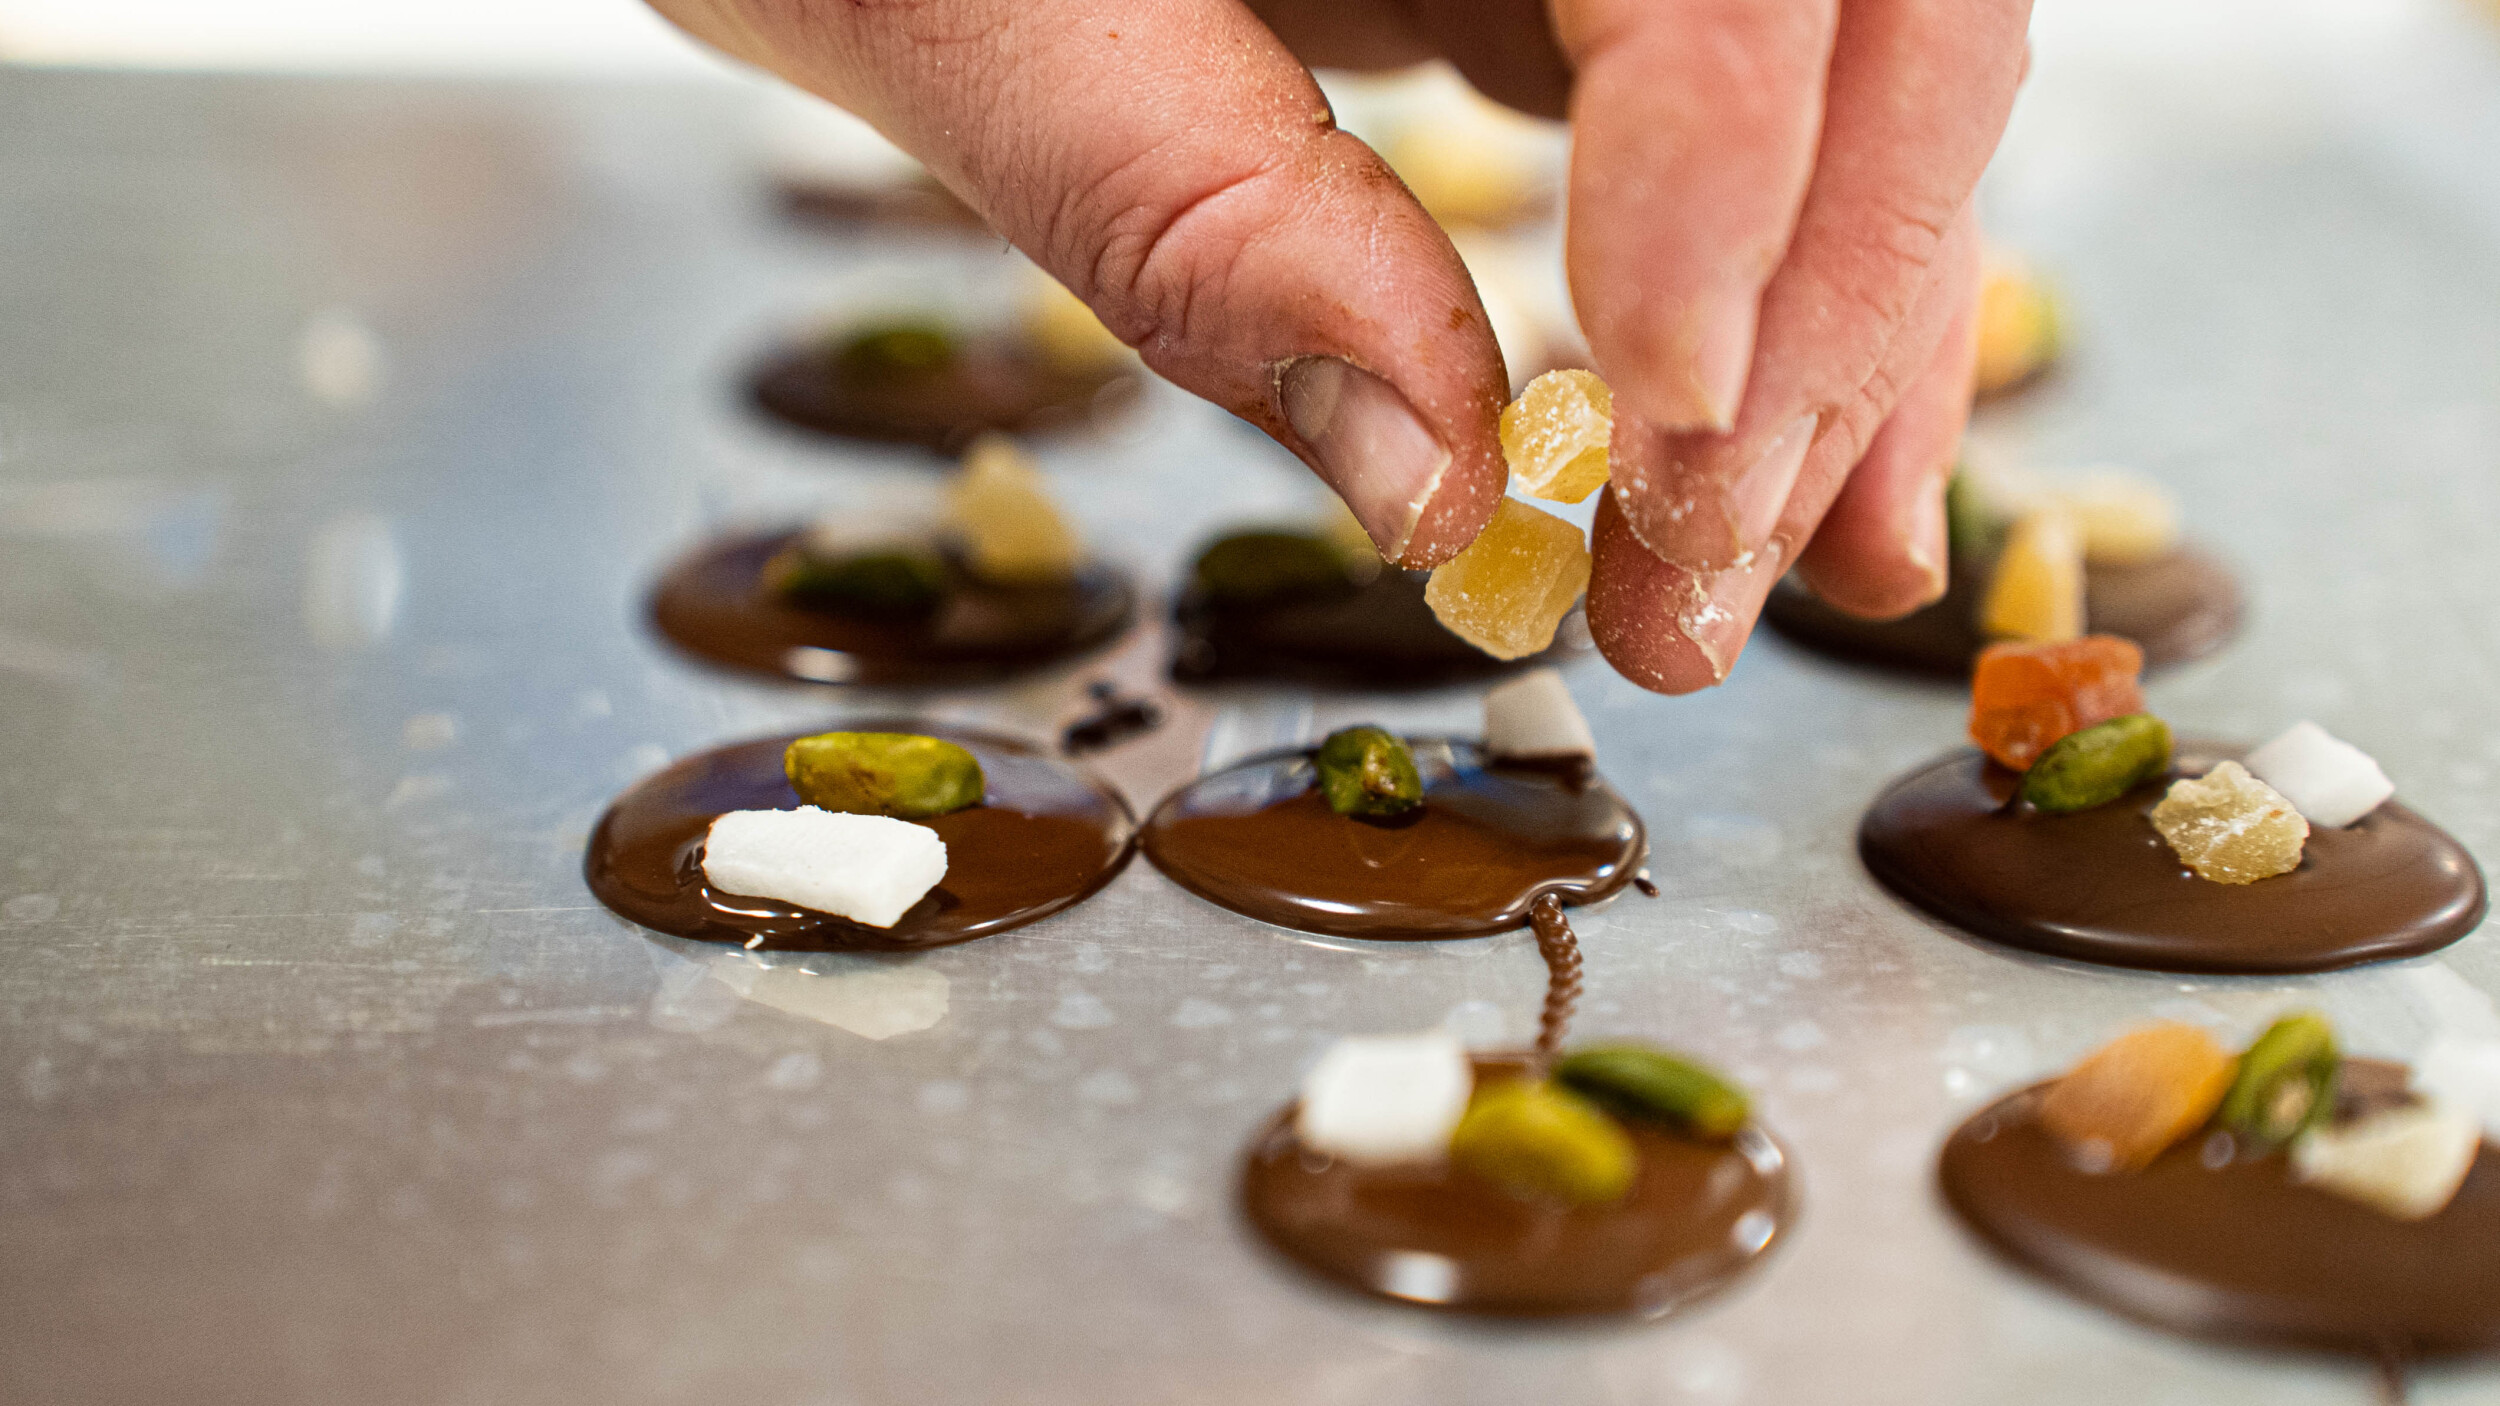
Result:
342,424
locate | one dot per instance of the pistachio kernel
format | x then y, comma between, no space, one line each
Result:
1364,771
2286,1081
883,773
1638,1082
2098,764
899,580
1540,1141
1973,526
895,352
1264,568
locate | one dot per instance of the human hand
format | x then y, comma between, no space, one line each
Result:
1771,249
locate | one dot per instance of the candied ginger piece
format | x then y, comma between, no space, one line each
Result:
2135,1096
2035,591
2124,518
2018,327
1555,435
2230,827
2024,697
1065,331
1507,592
1003,516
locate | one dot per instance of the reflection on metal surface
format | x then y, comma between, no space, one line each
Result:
353,578
808,661
875,998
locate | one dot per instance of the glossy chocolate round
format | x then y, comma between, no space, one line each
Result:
1380,635
996,382
1258,838
1698,1215
713,604
2103,886
1046,836
2178,607
2232,1247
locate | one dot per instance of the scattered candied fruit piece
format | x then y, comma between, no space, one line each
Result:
2138,1094
1010,530
1514,583
1066,332
1555,435
2124,518
2024,697
2035,591
2018,327
2230,827
1540,1141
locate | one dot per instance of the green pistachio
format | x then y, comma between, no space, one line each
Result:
1262,568
895,351
1639,1082
2286,1081
1539,1140
883,773
1973,526
897,580
2098,764
1364,771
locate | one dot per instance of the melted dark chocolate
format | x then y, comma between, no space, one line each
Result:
1560,947
2235,1250
2180,607
2103,886
1114,720
1258,838
1045,837
1378,635
712,603
1698,1214
995,382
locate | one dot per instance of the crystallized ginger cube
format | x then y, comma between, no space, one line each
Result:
2135,1096
1004,519
1065,330
2035,591
1555,435
2018,327
2024,697
1514,583
2230,827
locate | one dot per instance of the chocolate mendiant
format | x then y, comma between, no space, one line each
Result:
1699,1214
1377,635
713,604
995,382
1045,837
1259,839
2180,607
2234,1250
2103,886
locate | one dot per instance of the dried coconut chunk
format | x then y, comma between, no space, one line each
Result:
2230,827
2332,782
1513,585
1009,528
2124,518
1380,1099
1555,435
1532,718
868,868
2404,1162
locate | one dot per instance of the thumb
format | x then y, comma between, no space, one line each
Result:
1178,169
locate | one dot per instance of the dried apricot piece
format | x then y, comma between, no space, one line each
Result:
2024,697
2135,1096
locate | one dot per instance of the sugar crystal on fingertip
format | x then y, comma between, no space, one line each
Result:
1380,1099
1533,718
2331,782
868,868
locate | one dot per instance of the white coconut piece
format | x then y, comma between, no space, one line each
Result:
2329,781
2406,1162
1381,1099
1532,718
2463,1072
867,868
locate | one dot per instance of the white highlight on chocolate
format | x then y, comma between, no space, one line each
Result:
1533,718
2328,780
868,868
1384,1099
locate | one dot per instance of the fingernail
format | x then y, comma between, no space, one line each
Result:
1755,500
1717,348
1370,445
1926,542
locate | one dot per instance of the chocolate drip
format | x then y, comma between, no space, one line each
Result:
1379,635
1113,721
994,383
2102,886
1258,838
2179,607
1044,837
712,603
2233,1248
1560,947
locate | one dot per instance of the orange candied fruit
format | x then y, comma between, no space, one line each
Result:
2023,697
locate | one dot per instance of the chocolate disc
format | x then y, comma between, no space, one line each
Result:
995,382
2103,886
1046,836
2179,607
1259,839
1379,635
713,604
1698,1215
2236,1249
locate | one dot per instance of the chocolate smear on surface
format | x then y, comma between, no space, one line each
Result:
997,383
